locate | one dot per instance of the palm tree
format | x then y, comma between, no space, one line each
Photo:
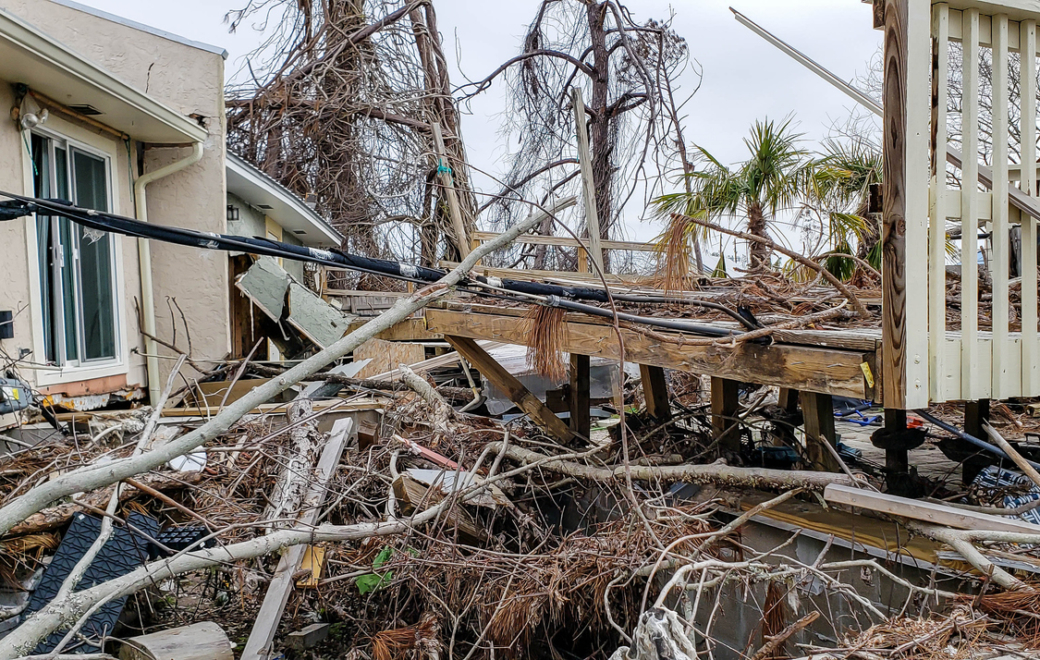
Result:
840,194
770,181
778,176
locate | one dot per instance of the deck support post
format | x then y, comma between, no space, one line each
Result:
725,402
655,391
581,383
976,413
513,388
818,410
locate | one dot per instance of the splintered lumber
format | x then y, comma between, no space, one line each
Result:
518,394
199,641
412,494
277,595
387,355
588,179
445,174
935,514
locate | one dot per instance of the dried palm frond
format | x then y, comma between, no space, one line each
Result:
675,253
774,616
392,644
546,330
21,545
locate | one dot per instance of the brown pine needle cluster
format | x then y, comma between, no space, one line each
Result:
546,329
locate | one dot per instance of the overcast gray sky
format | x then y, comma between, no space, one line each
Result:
744,77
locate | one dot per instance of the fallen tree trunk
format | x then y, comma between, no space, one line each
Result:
48,519
713,473
91,477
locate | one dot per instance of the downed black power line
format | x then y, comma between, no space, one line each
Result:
110,222
967,437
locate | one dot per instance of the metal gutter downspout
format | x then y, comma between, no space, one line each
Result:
144,257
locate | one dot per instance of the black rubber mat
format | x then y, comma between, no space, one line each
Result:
126,550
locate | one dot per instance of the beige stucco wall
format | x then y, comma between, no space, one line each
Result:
14,295
189,80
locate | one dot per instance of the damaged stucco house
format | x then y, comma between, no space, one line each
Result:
124,118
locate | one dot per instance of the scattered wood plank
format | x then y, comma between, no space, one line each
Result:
935,514
413,495
266,623
340,405
199,641
307,638
387,355
508,383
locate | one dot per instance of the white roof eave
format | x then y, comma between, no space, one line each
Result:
287,209
27,55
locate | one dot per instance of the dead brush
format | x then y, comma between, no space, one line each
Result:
675,253
547,330
1018,611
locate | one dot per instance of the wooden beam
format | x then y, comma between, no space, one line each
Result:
818,412
588,179
655,391
805,368
581,383
934,514
907,61
725,403
266,623
444,173
513,388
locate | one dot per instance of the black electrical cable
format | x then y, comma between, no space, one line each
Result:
685,326
981,444
109,222
746,322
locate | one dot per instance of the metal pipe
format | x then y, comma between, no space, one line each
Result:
981,444
144,257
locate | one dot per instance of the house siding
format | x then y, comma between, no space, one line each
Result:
189,80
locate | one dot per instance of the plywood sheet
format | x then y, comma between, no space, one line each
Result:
387,355
317,320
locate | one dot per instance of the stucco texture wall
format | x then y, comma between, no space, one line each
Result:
14,294
191,81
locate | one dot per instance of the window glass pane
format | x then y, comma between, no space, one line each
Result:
67,271
95,261
44,242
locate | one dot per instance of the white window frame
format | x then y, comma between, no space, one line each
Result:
75,137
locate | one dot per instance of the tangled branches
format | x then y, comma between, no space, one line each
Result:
339,110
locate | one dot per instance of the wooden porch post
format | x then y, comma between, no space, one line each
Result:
581,422
655,391
725,402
